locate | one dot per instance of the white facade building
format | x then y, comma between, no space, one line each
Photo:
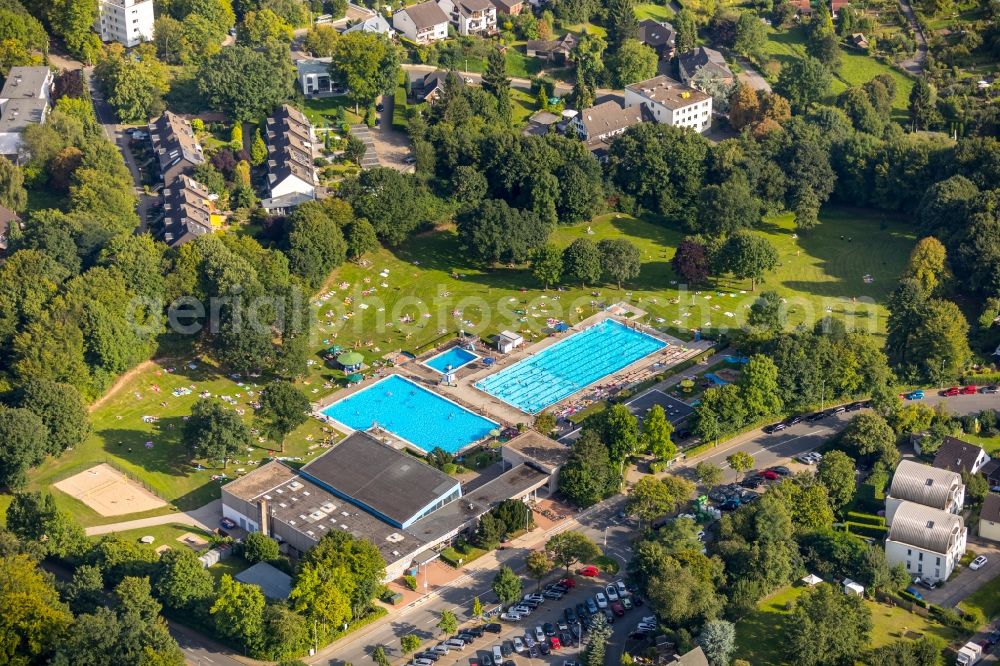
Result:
471,17
25,100
922,484
422,23
670,102
927,541
128,22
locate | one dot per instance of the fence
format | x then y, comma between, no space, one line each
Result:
73,470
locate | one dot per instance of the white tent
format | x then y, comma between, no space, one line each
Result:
812,579
850,587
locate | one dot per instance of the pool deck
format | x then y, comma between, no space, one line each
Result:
479,402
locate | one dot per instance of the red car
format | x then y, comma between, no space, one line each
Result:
954,390
770,475
554,642
589,571
569,583
617,608
969,390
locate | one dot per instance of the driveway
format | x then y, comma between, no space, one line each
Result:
968,581
364,133
206,517
751,76
914,65
391,145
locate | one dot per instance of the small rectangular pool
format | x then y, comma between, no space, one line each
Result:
411,412
450,360
569,365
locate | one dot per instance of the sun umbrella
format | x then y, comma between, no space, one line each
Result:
350,359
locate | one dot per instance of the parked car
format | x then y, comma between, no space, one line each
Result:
978,563
992,388
969,390
838,410
930,585
754,481
534,597
592,606
948,392
627,603
476,631
549,629
730,504
781,470
510,616
816,416
570,616
518,644
589,571
612,591
855,406
431,656
493,628
554,595
601,599
794,420
455,643
544,649
617,608
915,592
770,475
555,643
622,590
915,395
609,616
773,428
487,660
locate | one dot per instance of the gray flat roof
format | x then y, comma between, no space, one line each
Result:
545,451
392,483
274,583
25,82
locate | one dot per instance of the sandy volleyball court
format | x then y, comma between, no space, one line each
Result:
109,492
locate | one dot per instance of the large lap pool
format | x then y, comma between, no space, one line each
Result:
411,412
451,360
569,365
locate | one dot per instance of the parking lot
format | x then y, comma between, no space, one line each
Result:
676,410
551,611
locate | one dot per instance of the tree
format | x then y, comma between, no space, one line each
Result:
759,386
12,192
61,408
538,565
744,106
22,445
766,312
651,498
597,642
215,432
447,623
32,613
836,472
634,62
547,264
718,640
495,232
258,149
34,517
85,592
351,565
923,104
181,580
656,431
567,548
477,608
751,36
409,643
361,239
803,81
263,28
506,585
239,611
740,462
588,476
748,256
283,408
683,591
620,260
497,84
691,261
687,31
380,657
246,83
618,428
827,627
258,547
729,207
366,64
582,261
928,264
869,435
708,474
133,87
621,23
545,422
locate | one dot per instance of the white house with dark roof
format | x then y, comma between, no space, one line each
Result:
599,124
670,102
929,542
912,482
422,23
958,456
471,17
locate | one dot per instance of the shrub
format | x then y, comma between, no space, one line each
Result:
869,518
864,529
411,582
258,547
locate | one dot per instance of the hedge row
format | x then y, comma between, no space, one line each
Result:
864,529
866,518
984,379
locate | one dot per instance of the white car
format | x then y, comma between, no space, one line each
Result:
539,634
978,563
440,649
455,643
518,644
537,598
701,535
649,619
622,592
612,592
643,626
601,600
510,616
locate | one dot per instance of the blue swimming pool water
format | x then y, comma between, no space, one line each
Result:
413,413
569,365
715,379
455,357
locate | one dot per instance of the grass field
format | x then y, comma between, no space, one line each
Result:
986,599
649,10
759,636
163,535
322,112
989,444
431,292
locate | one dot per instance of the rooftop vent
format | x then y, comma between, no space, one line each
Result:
294,485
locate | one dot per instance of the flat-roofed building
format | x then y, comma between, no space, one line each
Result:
128,22
25,100
538,451
670,102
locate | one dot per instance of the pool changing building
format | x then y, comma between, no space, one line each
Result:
407,508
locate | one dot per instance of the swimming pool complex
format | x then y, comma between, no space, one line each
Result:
411,412
569,365
450,360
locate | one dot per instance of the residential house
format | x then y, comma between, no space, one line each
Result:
556,51
128,22
702,63
989,518
188,211
958,456
803,7
859,41
8,220
695,657
658,36
991,471
176,146
836,6
669,102
314,77
24,100
431,86
599,124
291,151
929,542
540,123
471,17
509,7
376,24
922,484
422,23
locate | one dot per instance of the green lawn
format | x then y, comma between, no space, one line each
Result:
231,565
322,112
986,599
432,291
163,535
989,444
759,635
649,10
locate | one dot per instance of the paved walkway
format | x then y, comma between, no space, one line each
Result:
206,517
916,64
